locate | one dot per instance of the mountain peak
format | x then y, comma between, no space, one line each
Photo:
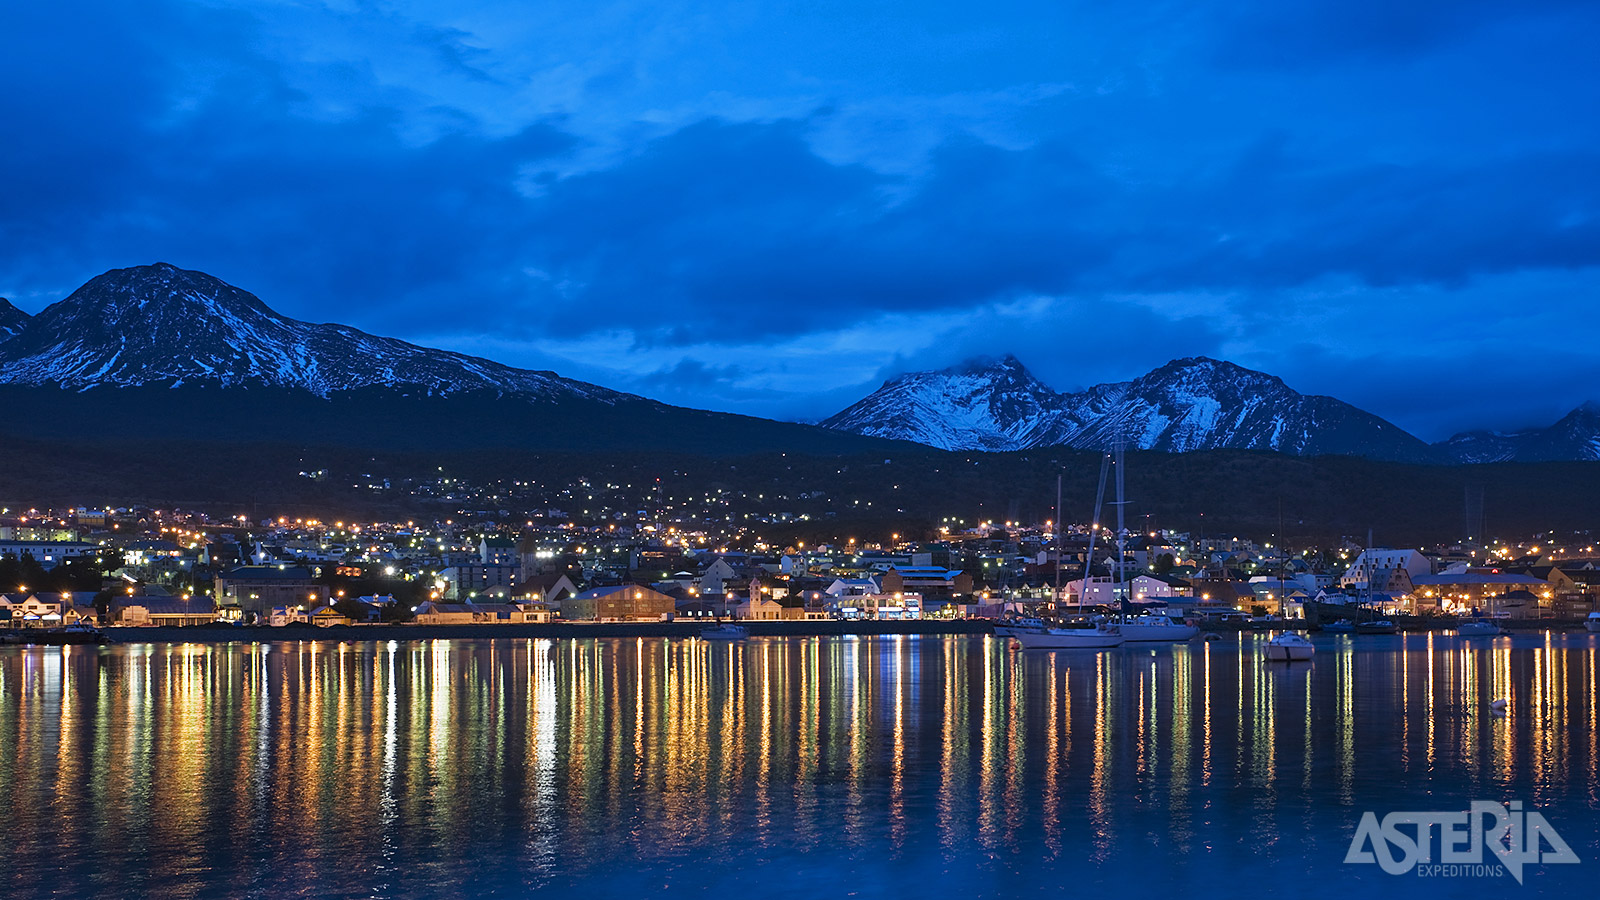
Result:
11,319
163,325
1191,403
979,403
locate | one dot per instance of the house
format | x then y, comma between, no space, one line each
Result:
170,612
850,587
1102,590
467,582
432,612
49,554
898,605
1376,561
323,616
714,578
435,612
931,582
47,610
287,615
1465,591
549,588
257,589
498,552
618,602
758,605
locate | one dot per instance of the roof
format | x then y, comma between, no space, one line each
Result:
172,606
1474,578
599,592
268,573
430,606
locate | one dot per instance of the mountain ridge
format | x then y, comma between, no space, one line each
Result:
159,349
1190,403
143,329
160,324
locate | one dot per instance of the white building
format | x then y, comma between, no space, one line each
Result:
1380,561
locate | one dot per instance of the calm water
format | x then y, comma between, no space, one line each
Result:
803,767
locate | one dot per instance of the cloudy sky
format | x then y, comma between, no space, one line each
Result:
769,207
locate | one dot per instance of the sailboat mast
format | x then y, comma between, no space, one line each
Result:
1122,535
1056,598
1094,530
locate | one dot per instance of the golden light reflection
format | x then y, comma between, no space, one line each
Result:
393,753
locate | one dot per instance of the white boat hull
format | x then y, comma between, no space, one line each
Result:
1288,654
1069,639
1136,632
1288,648
1479,629
724,633
1593,624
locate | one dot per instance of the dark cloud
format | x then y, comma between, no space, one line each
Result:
168,132
1314,32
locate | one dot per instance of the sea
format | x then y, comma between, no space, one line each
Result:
806,767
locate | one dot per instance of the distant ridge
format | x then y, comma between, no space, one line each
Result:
162,352
158,350
1195,403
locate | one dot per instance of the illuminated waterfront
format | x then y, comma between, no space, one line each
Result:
931,766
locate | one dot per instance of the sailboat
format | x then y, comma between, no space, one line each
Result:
1102,636
1149,627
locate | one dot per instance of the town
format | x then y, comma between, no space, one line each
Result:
135,566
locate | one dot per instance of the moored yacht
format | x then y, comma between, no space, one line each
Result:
1101,637
1479,628
724,631
1010,627
1137,629
1593,622
1288,647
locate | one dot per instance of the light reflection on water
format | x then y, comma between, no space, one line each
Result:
806,766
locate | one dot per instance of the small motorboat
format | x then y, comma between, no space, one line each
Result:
1288,647
1377,626
1341,626
1593,622
725,631
1102,637
1479,628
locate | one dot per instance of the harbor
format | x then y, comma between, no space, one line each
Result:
776,766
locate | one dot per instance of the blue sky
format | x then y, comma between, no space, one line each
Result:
768,208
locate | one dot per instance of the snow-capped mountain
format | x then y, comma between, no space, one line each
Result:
11,320
981,404
161,352
161,325
1575,436
1187,404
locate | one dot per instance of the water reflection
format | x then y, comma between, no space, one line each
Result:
807,765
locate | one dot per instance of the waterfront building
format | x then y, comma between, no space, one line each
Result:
165,611
257,589
466,582
1375,566
623,602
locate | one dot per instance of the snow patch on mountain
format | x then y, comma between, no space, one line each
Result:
163,325
11,320
1188,404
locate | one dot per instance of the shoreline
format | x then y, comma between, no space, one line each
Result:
220,634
